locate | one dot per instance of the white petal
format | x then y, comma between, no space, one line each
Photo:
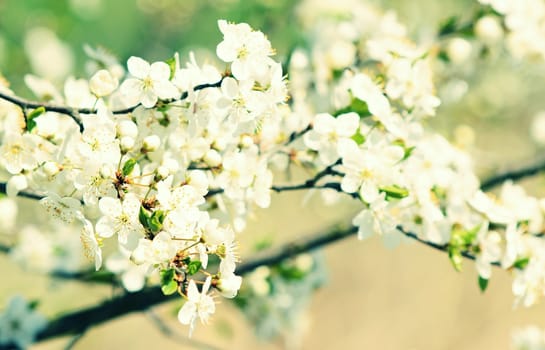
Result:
138,67
110,206
229,87
365,223
165,90
347,124
132,89
159,71
324,123
226,52
148,99
105,227
187,313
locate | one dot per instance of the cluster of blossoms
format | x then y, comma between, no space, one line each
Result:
273,298
528,338
168,168
409,180
172,159
19,322
524,20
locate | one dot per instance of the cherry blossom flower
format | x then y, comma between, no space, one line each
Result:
198,305
150,83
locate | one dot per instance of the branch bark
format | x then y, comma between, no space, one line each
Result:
81,320
75,113
514,174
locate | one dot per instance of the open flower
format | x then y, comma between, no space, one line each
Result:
103,83
150,83
199,305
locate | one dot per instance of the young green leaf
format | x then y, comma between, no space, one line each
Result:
193,267
30,122
483,283
128,167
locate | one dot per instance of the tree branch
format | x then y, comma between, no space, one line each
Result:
24,194
515,174
74,113
78,321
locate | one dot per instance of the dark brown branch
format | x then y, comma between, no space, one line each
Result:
311,183
74,113
25,104
515,174
81,320
24,194
440,247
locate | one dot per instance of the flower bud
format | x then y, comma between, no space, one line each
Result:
459,50
151,143
106,172
127,128
304,262
246,141
341,54
126,143
162,172
212,158
51,168
489,29
102,83
219,144
229,284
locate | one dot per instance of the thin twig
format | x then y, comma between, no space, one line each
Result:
25,104
77,321
74,113
440,247
72,342
295,135
515,174
24,194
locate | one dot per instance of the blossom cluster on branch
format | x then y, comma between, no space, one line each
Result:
171,158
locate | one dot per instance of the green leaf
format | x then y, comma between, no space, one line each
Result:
356,105
193,267
166,275
358,137
264,243
128,166
172,65
143,217
168,284
169,288
155,222
394,192
407,150
455,257
483,283
291,272
33,304
30,123
448,26
521,263
471,235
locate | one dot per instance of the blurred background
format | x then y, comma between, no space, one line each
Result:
374,297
